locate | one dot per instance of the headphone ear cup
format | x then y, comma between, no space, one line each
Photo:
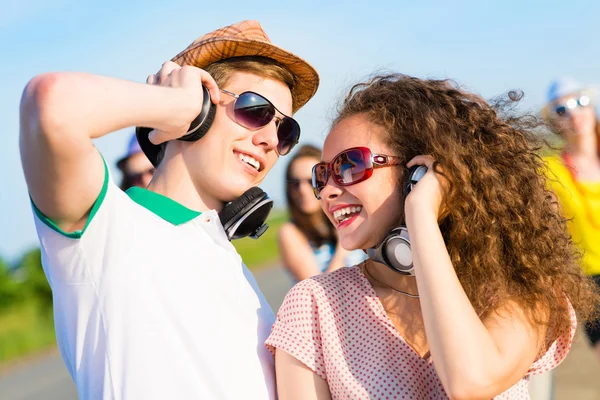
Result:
246,214
202,123
235,207
396,251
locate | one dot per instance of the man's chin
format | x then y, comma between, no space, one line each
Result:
235,192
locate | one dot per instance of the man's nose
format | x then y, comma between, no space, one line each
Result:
266,136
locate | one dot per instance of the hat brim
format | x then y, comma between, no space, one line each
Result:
209,51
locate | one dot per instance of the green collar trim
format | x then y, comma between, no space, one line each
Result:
166,208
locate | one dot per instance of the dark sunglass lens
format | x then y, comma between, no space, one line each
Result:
253,111
288,133
319,178
349,166
561,110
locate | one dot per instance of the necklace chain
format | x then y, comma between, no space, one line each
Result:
365,269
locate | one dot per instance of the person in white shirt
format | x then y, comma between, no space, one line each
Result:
151,300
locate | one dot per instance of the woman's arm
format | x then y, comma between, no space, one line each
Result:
296,254
474,359
296,381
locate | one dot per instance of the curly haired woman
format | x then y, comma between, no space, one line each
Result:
493,287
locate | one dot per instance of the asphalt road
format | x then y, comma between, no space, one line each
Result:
577,378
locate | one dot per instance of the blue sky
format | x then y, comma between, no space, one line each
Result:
489,47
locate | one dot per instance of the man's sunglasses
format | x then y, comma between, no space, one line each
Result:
565,108
253,111
349,167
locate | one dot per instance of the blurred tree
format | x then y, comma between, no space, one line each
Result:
35,285
9,289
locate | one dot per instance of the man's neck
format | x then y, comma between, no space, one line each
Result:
174,181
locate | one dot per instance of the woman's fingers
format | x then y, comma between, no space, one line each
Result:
425,160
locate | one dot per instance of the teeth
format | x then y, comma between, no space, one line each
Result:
344,213
249,160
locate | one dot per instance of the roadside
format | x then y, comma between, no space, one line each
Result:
578,376
44,375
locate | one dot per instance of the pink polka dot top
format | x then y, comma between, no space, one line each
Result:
336,325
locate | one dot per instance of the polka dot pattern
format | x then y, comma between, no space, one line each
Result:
335,324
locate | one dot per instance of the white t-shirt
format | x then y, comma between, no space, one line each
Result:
152,301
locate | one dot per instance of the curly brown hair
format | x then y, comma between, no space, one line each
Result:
506,239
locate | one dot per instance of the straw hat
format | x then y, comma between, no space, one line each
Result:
247,38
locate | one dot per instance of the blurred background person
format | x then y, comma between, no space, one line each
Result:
575,173
137,170
308,243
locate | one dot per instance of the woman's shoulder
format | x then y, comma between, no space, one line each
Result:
289,232
288,227
341,281
341,276
319,295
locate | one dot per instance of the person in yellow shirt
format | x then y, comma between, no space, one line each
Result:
575,173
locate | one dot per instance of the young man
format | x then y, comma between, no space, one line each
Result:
151,299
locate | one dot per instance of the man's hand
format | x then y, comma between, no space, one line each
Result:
188,80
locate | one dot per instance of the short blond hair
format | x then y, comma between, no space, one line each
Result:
262,66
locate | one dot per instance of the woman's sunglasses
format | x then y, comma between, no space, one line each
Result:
253,111
136,178
565,108
349,167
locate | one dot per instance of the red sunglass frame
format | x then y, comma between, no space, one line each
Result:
370,160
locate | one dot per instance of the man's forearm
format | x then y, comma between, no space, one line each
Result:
85,105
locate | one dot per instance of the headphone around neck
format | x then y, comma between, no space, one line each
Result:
394,250
246,215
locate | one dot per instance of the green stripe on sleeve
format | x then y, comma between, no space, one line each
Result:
95,207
